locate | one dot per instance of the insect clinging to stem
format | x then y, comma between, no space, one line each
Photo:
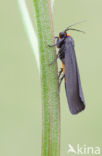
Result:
70,70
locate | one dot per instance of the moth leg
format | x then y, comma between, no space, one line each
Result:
56,37
53,45
60,81
59,41
60,72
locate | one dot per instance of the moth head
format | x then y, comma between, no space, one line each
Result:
62,34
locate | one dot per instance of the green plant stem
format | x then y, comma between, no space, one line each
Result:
49,80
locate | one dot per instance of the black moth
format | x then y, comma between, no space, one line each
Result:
70,71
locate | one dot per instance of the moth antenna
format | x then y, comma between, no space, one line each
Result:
74,24
76,30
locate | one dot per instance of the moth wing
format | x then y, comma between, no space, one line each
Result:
73,87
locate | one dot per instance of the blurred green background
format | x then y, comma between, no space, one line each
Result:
20,94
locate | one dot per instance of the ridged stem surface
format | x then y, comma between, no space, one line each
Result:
49,80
